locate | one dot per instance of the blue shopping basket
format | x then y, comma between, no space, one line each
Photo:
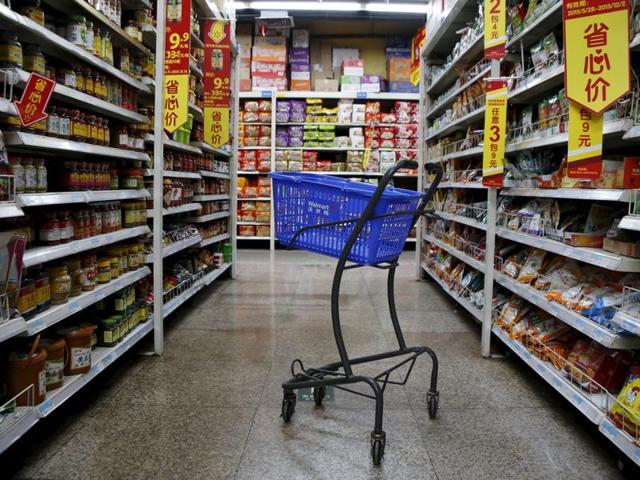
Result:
308,199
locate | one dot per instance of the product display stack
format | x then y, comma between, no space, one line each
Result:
536,227
107,223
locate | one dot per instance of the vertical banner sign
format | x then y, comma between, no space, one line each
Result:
495,125
585,142
35,98
217,82
416,47
597,74
176,65
495,29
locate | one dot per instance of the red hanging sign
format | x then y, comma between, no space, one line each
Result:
35,98
176,65
217,82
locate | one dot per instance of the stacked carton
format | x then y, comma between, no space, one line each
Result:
269,63
245,42
300,61
399,65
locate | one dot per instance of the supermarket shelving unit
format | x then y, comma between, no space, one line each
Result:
274,97
441,39
24,418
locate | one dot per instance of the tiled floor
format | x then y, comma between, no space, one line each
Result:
209,408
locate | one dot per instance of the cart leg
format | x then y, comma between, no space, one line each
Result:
378,436
391,295
335,313
433,396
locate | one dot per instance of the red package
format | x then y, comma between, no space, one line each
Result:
387,133
264,166
264,155
309,166
264,191
387,118
406,131
592,366
371,132
371,143
248,165
247,231
309,156
405,143
264,182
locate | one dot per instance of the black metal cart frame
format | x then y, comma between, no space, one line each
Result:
340,374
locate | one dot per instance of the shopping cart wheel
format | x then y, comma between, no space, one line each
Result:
288,407
433,398
318,395
378,441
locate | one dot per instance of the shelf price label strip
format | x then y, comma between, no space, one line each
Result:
217,82
176,69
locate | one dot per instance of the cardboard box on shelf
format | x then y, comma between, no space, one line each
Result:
245,63
399,69
624,244
403,87
398,52
350,83
353,67
338,55
259,68
300,85
299,55
300,38
280,40
326,85
320,55
259,83
269,53
245,84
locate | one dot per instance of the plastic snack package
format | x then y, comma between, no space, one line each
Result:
283,117
250,192
250,117
263,217
264,141
264,191
592,366
625,413
514,263
387,133
280,166
264,117
247,207
282,137
265,131
342,142
251,131
323,165
283,106
373,143
263,231
512,312
263,155
532,266
406,131
295,166
264,166
357,142
389,117
264,106
387,144
357,117
281,156
250,106
247,231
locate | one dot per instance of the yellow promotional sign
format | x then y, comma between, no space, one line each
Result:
584,159
495,125
596,52
176,66
217,82
216,126
495,29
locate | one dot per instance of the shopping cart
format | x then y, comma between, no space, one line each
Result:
365,226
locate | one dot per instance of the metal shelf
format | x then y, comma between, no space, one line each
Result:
211,198
175,247
460,123
254,223
613,128
30,141
205,174
628,322
218,238
38,255
593,256
632,134
196,111
474,50
101,359
15,425
57,313
444,37
468,306
208,279
460,219
174,174
240,172
206,148
469,152
635,43
472,185
621,440
588,327
58,47
587,404
10,210
195,69
89,102
210,217
62,198
12,327
533,32
253,238
207,9
477,264
118,35
630,222
149,33
254,148
196,41
536,87
173,145
7,107
601,194
254,199
188,207
454,94
324,149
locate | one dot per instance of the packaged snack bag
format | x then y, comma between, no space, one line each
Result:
625,413
592,366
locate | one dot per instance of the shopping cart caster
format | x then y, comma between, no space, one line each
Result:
432,403
288,406
318,395
378,441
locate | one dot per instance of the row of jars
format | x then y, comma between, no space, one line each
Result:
213,207
176,192
30,174
212,229
77,176
42,288
181,162
212,186
56,227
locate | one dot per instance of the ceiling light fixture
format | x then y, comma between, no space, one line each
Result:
335,6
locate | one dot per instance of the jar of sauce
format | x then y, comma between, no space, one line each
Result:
49,232
88,272
60,284
43,291
27,303
74,267
33,60
104,270
10,50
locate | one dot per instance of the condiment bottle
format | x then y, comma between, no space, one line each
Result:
42,175
18,172
30,176
53,123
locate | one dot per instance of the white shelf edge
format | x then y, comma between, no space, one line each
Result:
255,199
453,125
240,237
210,217
206,174
176,247
62,198
472,262
582,324
12,328
206,148
189,207
621,440
470,185
460,219
215,239
211,198
21,426
38,255
452,96
630,222
173,145
57,313
10,210
603,194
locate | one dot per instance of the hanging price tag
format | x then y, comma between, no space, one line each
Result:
217,82
495,124
495,29
584,158
176,67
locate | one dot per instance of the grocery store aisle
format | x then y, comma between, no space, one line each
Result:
209,407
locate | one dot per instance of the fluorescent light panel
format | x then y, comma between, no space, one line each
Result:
335,6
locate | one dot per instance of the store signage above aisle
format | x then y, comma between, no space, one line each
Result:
35,98
495,29
584,158
217,82
176,67
596,52
495,124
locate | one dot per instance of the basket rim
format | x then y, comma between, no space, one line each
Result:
347,185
